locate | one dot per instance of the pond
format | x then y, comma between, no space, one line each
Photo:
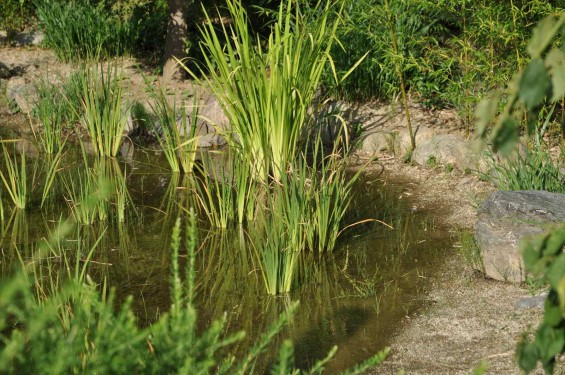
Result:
356,297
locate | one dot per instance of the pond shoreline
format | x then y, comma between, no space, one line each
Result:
470,321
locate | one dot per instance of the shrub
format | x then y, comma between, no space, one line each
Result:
79,30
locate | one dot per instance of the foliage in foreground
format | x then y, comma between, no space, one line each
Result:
544,257
540,83
72,328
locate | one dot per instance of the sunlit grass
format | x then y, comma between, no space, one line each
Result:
176,132
103,117
14,176
265,91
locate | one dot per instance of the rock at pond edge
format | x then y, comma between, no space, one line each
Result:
505,219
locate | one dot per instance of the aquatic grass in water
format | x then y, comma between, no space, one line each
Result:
215,194
332,195
79,186
176,132
102,104
14,176
51,114
274,242
75,327
109,171
266,91
53,170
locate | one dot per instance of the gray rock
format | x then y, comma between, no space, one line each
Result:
505,218
22,93
211,123
396,142
531,302
447,149
29,38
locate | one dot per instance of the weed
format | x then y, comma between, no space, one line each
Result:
176,132
431,161
14,177
531,170
266,92
102,104
469,249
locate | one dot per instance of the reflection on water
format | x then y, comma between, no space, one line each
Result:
355,298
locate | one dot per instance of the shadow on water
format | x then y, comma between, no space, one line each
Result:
355,298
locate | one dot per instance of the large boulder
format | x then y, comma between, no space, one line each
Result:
22,93
505,218
448,149
212,122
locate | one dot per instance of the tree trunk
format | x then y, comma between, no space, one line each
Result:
176,39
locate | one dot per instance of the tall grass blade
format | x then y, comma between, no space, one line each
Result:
14,177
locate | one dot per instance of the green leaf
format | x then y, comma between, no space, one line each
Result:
534,84
553,314
555,62
556,271
506,136
541,37
527,354
555,242
530,255
550,341
486,111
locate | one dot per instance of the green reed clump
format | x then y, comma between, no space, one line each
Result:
80,185
104,118
216,196
303,211
104,184
265,91
50,111
80,30
278,237
332,196
14,176
176,132
528,170
75,328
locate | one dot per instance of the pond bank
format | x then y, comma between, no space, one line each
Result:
470,320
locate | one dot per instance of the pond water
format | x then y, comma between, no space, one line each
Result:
355,298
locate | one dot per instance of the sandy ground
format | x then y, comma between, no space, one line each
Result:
471,320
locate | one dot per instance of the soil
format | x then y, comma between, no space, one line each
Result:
469,319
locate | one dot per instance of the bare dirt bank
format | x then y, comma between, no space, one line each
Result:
470,321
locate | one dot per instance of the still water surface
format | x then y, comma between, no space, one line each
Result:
355,298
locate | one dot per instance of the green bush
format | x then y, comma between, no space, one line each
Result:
538,85
15,15
531,170
452,52
79,30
